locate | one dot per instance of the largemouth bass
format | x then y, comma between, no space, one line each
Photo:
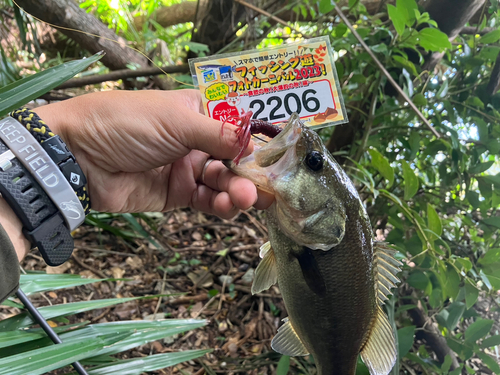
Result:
333,276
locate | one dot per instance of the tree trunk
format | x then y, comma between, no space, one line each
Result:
67,14
216,25
174,14
451,17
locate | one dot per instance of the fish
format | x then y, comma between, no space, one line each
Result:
333,276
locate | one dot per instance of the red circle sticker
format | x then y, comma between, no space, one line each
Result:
223,111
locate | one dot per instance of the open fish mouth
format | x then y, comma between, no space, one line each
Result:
265,164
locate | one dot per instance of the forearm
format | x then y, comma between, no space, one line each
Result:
12,225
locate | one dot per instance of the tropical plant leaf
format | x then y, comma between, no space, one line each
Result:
42,360
20,92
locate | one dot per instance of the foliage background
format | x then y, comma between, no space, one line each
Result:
435,199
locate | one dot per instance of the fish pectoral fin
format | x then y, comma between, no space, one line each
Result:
266,274
387,267
264,249
287,342
379,351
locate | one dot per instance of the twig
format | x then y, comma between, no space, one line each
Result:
431,334
262,229
269,15
90,268
162,292
368,126
122,74
211,224
385,72
472,30
102,315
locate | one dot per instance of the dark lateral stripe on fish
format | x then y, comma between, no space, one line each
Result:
311,272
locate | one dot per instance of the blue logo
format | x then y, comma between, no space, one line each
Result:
226,74
209,76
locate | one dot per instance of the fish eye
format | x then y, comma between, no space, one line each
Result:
314,160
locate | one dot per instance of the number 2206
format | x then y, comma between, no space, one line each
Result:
309,103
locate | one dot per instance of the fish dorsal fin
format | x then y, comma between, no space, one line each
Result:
287,342
264,249
386,267
379,351
266,274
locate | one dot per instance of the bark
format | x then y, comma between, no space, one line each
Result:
472,30
174,14
451,17
122,74
494,82
216,27
429,332
67,14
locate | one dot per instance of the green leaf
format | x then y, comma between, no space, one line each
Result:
21,92
481,167
489,361
380,48
490,37
492,256
142,332
397,17
489,53
491,341
10,338
465,263
136,366
452,282
445,367
381,164
455,311
408,7
433,221
433,39
283,365
493,221
485,279
443,90
418,280
405,340
411,181
41,282
326,6
405,64
49,358
419,99
478,330
50,312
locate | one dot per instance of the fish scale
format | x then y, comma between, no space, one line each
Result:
332,275
348,307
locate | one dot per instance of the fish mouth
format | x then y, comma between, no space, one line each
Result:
264,164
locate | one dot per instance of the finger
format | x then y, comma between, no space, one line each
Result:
242,191
200,132
264,200
213,202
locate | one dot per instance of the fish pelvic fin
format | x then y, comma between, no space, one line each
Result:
287,342
264,249
386,267
379,352
266,274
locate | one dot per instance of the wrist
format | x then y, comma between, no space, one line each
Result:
12,225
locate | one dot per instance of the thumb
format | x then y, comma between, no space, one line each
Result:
203,133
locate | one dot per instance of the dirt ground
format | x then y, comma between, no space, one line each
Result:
209,260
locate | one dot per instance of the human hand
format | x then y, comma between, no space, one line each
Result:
145,151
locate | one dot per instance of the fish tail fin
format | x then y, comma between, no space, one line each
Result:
266,274
379,351
386,267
